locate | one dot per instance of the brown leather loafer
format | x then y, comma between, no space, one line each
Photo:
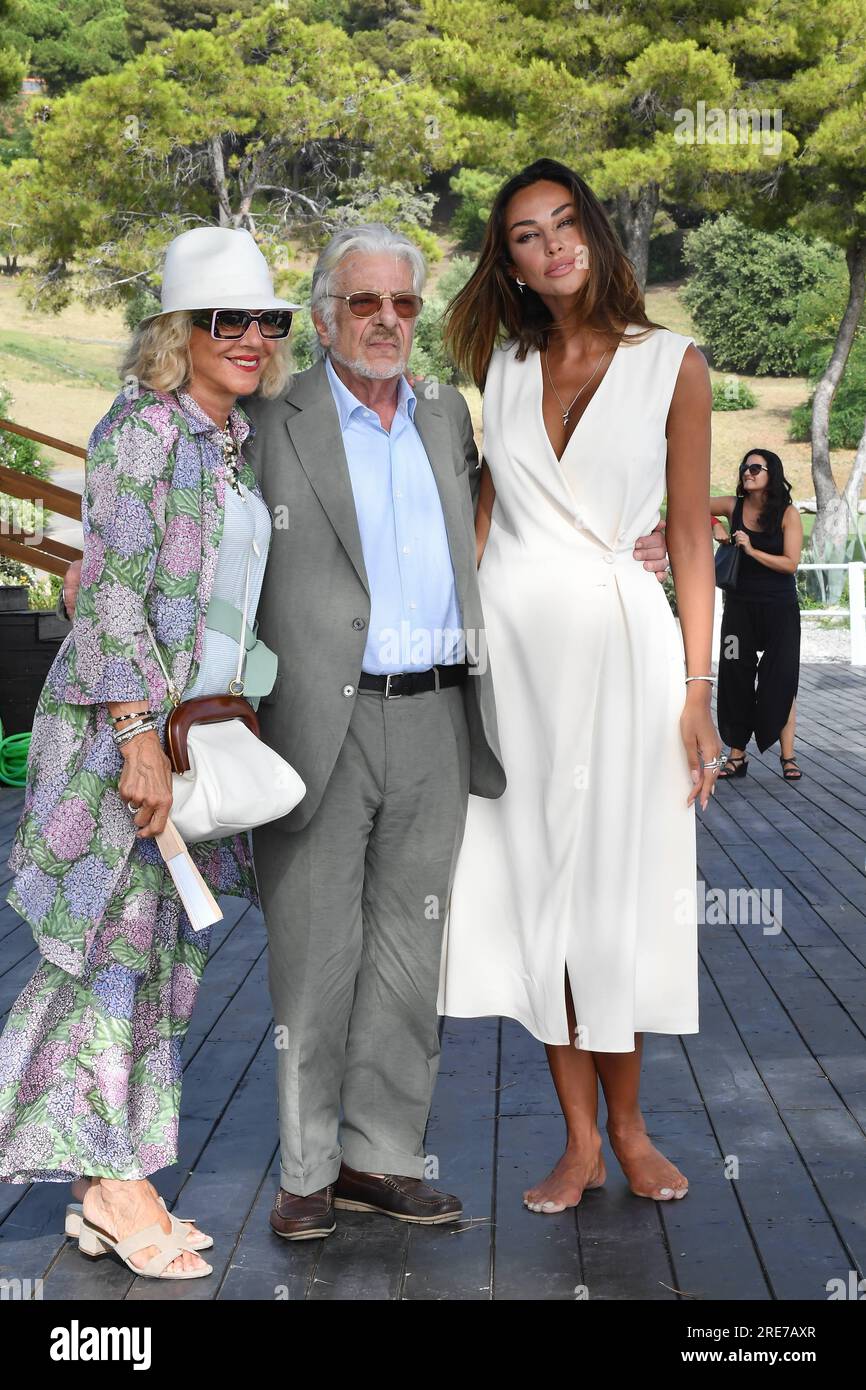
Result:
303,1218
406,1199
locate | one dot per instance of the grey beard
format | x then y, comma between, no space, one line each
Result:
364,369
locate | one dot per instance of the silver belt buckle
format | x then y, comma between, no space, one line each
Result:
388,679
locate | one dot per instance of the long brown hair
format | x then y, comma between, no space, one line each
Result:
490,305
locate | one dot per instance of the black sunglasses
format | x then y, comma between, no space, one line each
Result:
753,468
365,303
233,323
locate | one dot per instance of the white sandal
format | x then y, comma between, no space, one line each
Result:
95,1242
75,1214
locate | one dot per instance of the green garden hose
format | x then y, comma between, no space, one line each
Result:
13,758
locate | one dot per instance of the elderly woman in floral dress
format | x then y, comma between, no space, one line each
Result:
90,1071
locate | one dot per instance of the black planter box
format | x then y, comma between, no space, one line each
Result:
29,642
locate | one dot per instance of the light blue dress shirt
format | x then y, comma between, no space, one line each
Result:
415,619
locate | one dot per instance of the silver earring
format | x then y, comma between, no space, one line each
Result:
520,284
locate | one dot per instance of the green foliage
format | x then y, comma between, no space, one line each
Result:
67,41
848,412
476,190
812,333
16,452
732,394
384,30
302,343
813,327
140,303
429,358
15,181
666,257
149,20
743,292
11,65
398,205
11,73
269,122
16,136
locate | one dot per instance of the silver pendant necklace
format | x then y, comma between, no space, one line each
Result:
567,409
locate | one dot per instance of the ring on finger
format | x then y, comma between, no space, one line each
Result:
131,806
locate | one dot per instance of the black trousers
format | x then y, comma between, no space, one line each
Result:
756,694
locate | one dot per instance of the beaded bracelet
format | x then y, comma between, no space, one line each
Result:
130,714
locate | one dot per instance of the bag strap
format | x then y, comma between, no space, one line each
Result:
236,687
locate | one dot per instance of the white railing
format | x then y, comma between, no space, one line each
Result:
855,612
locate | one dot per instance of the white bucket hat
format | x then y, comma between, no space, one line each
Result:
216,268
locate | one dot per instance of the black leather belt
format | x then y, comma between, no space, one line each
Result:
414,682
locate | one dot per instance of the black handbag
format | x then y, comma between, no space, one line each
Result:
728,565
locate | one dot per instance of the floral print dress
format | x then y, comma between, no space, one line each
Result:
90,1070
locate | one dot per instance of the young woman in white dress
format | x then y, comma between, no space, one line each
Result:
574,908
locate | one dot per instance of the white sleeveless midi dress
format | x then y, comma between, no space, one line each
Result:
586,863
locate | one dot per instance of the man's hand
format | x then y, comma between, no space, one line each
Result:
653,551
71,581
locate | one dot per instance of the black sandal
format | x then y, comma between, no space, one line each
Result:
794,774
740,768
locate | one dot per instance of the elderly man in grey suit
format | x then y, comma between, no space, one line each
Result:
384,704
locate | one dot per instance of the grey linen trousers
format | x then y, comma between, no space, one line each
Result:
355,903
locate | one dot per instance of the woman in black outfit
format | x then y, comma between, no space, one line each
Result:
762,614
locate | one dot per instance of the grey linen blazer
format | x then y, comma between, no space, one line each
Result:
315,603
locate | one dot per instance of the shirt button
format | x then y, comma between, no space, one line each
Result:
348,690
397,492
358,623
413,604
608,559
407,550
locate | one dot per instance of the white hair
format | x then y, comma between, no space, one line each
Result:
370,239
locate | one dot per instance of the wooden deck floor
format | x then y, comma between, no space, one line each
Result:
774,1084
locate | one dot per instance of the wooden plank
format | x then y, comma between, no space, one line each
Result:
264,1266
773,1185
454,1261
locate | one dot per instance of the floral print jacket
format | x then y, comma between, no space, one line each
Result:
152,513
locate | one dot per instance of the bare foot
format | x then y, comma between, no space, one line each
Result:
122,1208
649,1173
579,1169
81,1185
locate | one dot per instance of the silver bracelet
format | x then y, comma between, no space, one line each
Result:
142,728
136,724
712,679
